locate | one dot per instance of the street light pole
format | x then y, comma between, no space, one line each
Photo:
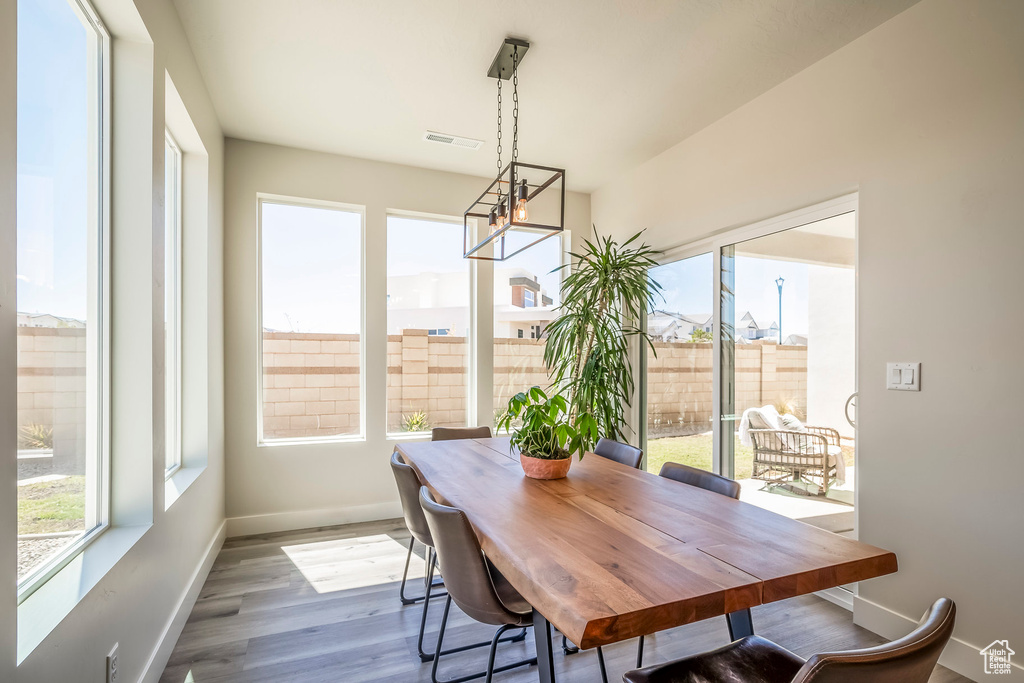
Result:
779,283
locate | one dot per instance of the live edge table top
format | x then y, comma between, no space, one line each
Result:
610,553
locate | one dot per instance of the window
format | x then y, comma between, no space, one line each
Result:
172,304
311,296
428,290
62,292
526,293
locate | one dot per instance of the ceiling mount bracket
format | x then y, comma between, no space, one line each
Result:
501,67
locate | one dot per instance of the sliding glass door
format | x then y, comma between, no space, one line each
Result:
759,389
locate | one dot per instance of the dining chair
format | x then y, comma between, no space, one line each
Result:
910,659
455,433
619,452
408,492
473,583
709,481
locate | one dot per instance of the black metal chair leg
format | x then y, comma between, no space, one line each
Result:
406,600
640,653
567,648
428,584
600,662
487,673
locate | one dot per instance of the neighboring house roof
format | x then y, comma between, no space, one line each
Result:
529,283
796,340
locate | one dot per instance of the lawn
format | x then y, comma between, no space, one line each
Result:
695,451
52,506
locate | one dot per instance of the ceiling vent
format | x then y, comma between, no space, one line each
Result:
452,140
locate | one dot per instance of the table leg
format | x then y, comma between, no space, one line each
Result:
545,658
740,624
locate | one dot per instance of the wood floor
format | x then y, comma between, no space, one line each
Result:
321,605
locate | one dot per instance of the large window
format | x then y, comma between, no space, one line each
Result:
311,320
61,269
172,304
526,293
428,325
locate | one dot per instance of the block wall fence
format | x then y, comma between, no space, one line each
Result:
311,382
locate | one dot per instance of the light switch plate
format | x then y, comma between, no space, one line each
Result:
903,376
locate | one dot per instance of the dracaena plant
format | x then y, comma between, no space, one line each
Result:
587,352
541,426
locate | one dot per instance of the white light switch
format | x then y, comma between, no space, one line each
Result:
903,376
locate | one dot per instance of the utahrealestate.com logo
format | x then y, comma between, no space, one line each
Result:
997,657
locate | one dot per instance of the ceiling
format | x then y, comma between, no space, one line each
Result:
607,84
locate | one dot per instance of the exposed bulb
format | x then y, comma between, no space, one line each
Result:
492,222
502,218
522,192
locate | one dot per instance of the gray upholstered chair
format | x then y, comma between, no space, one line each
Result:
619,452
473,583
455,433
910,659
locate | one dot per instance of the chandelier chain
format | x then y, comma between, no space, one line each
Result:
515,103
499,129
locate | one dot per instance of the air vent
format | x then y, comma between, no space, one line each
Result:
452,140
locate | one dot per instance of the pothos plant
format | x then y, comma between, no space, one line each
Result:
542,427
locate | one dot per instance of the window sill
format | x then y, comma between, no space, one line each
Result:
42,611
308,441
176,485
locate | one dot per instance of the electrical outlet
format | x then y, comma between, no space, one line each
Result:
112,665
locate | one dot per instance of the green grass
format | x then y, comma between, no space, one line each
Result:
52,506
695,451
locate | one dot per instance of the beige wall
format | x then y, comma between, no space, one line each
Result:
296,485
135,602
924,117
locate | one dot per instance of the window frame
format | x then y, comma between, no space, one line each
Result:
304,202
173,371
471,327
97,395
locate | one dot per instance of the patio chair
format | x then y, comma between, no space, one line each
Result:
785,450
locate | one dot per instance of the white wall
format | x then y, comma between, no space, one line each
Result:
924,116
135,602
294,486
831,345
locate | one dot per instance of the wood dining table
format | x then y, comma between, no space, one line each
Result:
610,552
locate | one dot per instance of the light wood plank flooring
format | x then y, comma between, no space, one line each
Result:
322,605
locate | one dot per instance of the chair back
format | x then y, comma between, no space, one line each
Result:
409,493
455,433
910,659
619,452
466,574
708,481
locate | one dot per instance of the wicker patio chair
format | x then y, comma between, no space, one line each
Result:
782,455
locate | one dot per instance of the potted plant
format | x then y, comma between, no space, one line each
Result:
545,434
587,351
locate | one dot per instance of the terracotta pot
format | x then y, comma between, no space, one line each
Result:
543,468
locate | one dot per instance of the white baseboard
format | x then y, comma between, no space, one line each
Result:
838,596
165,646
308,519
960,656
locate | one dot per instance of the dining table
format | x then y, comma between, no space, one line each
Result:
610,552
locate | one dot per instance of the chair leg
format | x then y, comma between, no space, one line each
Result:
567,648
600,662
640,653
406,600
428,584
490,670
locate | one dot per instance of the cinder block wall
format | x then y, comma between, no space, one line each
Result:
311,381
51,390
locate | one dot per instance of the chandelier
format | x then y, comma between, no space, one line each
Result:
514,212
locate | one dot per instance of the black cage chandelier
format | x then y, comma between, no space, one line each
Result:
517,213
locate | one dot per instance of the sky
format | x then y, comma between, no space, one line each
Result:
52,159
688,288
